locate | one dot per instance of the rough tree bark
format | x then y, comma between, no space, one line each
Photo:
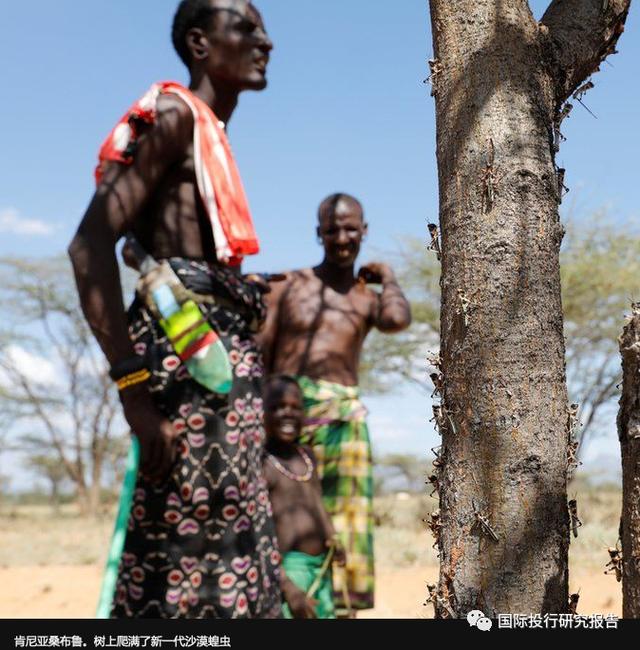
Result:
629,434
501,81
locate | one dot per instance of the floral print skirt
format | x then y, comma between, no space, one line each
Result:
203,544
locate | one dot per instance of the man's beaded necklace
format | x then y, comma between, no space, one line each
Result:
300,478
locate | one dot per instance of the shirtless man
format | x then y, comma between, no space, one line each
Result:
201,540
316,324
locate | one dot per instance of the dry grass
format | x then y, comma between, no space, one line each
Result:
402,539
34,535
51,565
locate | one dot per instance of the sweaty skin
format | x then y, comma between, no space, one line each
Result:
318,318
156,197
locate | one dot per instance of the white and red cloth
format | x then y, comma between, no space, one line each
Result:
217,175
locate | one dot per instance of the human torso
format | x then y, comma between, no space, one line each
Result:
174,222
297,507
320,331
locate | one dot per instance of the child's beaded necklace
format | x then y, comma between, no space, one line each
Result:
300,478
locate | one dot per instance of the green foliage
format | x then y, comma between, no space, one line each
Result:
388,359
47,466
600,270
412,469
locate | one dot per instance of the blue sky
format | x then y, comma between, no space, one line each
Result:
345,109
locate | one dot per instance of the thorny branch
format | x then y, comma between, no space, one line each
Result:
579,35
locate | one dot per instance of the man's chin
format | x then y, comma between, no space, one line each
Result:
344,262
255,84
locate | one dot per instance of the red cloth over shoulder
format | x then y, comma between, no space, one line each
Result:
217,174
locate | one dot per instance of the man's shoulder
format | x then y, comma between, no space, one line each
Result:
304,276
171,108
297,277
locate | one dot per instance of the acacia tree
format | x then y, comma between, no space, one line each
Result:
49,467
629,434
501,82
406,466
55,394
599,268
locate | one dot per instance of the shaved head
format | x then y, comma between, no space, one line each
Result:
198,13
337,202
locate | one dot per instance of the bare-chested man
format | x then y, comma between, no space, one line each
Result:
317,321
201,539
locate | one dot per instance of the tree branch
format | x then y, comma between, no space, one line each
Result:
607,392
582,33
53,434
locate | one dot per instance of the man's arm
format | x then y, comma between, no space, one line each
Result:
112,212
392,312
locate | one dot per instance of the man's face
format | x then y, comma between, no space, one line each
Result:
283,413
341,233
239,45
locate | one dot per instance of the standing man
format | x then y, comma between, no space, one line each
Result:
201,540
316,324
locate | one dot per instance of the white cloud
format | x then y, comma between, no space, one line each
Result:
12,222
35,368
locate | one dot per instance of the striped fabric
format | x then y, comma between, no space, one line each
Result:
336,429
217,175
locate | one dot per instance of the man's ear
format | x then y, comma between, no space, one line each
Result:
198,44
318,235
365,229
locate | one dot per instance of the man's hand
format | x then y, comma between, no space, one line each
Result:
129,257
376,273
300,604
263,280
154,432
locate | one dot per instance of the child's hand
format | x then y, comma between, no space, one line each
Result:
300,604
339,554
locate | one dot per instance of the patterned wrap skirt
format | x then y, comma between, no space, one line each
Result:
335,427
203,545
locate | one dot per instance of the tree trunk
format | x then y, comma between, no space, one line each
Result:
83,498
629,434
500,79
54,497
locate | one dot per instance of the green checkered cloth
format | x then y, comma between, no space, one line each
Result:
336,429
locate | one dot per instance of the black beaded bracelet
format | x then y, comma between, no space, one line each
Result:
127,367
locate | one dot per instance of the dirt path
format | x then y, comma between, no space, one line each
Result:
72,592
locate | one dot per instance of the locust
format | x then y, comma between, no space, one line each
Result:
483,522
435,240
573,515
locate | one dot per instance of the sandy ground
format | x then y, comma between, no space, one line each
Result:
51,563
72,591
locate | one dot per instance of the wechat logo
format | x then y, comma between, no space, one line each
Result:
476,618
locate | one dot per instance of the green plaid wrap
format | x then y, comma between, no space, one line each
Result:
336,429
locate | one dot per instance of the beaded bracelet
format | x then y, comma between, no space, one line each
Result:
133,379
127,367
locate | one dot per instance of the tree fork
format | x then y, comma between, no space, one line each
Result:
502,81
629,434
